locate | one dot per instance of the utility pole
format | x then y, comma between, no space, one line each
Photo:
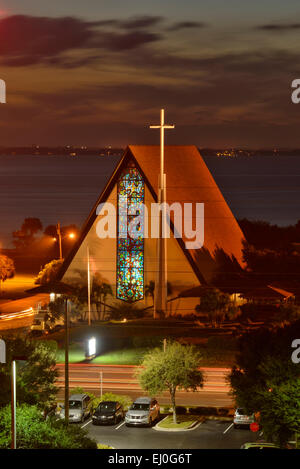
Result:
58,231
89,285
160,292
13,405
101,384
66,363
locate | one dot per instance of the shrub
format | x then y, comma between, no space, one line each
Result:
180,410
223,411
203,411
126,401
196,410
34,432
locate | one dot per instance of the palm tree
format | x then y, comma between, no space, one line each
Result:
150,289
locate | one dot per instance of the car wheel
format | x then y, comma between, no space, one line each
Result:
150,422
235,425
82,419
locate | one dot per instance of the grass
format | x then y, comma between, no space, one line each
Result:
134,356
116,357
183,421
121,357
76,354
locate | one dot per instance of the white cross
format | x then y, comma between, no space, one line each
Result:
160,297
162,128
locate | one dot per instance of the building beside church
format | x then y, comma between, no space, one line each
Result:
129,265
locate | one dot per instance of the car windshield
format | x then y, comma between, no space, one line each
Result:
108,407
136,406
75,404
241,411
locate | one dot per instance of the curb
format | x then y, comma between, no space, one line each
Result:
191,427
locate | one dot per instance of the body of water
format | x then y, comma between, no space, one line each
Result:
64,188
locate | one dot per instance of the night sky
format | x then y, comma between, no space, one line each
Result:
97,72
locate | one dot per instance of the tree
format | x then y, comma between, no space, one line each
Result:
263,371
176,368
7,268
287,313
57,308
149,289
36,376
100,291
49,272
25,236
280,412
217,306
34,432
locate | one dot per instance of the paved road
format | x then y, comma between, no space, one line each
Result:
121,379
209,435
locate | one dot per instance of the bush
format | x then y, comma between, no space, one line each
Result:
126,401
203,411
34,432
180,410
223,412
196,410
165,409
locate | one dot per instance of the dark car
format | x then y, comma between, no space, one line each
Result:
108,412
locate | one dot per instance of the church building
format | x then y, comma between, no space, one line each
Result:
129,265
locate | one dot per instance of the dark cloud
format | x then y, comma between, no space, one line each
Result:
139,22
187,25
28,40
279,27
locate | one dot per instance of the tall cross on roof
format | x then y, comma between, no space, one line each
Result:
160,292
162,128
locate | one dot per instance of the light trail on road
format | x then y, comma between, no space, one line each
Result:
121,378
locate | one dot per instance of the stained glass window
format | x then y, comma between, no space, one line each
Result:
130,241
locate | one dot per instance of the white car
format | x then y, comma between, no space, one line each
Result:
144,411
79,408
241,418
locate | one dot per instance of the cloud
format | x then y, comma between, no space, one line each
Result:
28,40
279,27
187,25
139,22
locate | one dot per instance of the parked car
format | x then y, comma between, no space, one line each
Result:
144,411
241,418
108,412
79,408
259,445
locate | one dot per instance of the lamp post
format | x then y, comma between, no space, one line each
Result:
63,289
60,238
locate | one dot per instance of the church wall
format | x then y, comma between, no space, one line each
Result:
103,254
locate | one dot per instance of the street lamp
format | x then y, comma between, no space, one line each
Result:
60,238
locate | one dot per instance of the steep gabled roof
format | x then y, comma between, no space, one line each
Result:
188,180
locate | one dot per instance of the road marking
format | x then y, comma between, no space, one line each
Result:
228,428
82,426
120,425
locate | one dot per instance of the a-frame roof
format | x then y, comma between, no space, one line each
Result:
188,180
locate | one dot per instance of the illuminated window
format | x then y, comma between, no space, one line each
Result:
130,249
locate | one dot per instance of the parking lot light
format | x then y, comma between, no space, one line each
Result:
91,348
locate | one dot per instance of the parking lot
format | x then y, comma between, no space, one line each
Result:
212,434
